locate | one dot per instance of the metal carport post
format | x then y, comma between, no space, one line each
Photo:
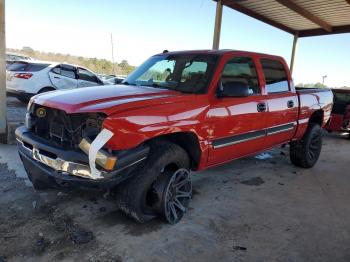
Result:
297,17
217,28
2,70
217,33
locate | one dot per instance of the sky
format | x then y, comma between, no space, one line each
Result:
142,28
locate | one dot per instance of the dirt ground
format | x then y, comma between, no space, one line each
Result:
247,210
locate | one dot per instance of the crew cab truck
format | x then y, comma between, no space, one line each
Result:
178,111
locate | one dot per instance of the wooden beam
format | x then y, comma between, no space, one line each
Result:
2,70
294,48
319,31
217,27
301,11
236,6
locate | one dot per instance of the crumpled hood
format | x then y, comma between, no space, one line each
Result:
105,99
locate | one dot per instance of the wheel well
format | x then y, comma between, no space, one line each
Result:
187,141
317,117
46,89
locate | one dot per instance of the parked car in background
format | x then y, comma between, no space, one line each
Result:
12,58
27,78
179,111
111,79
17,57
340,118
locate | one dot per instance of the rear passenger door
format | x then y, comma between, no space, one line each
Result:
87,78
282,102
63,77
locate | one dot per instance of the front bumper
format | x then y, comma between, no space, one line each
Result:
48,164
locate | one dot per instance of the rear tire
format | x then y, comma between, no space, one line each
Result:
46,89
23,99
141,197
305,153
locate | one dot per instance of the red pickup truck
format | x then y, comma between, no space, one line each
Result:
178,111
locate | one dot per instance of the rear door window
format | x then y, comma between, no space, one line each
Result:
65,70
26,67
275,76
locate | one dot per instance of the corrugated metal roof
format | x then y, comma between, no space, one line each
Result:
302,17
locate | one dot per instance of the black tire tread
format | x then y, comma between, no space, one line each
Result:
129,193
46,89
298,149
23,100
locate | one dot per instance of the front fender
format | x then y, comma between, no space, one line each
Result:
131,131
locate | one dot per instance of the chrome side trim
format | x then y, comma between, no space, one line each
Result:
239,141
228,141
303,121
280,128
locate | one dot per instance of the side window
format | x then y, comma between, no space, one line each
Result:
56,70
65,70
275,76
241,69
86,75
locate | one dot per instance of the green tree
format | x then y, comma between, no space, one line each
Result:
100,66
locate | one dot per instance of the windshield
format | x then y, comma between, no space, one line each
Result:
185,73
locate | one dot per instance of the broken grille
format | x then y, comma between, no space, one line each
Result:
65,130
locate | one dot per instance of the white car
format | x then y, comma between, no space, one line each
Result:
25,79
13,58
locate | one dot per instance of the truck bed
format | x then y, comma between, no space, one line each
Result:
306,90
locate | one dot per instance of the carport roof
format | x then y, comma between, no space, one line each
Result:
298,17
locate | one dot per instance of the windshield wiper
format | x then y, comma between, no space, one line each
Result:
158,86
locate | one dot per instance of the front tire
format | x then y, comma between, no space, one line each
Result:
143,197
305,153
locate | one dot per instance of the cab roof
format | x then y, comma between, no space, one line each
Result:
219,52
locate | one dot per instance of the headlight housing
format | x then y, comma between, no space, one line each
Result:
103,159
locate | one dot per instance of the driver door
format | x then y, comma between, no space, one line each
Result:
237,123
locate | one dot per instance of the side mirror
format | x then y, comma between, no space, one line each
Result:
234,89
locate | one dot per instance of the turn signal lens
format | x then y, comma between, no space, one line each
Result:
103,159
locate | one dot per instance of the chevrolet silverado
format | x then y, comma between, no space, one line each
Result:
177,112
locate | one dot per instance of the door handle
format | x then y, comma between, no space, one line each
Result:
290,104
261,107
57,77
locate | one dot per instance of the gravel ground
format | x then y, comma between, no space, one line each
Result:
248,210
16,110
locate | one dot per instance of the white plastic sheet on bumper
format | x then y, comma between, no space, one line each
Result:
101,139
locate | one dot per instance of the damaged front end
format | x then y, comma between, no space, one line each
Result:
72,147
